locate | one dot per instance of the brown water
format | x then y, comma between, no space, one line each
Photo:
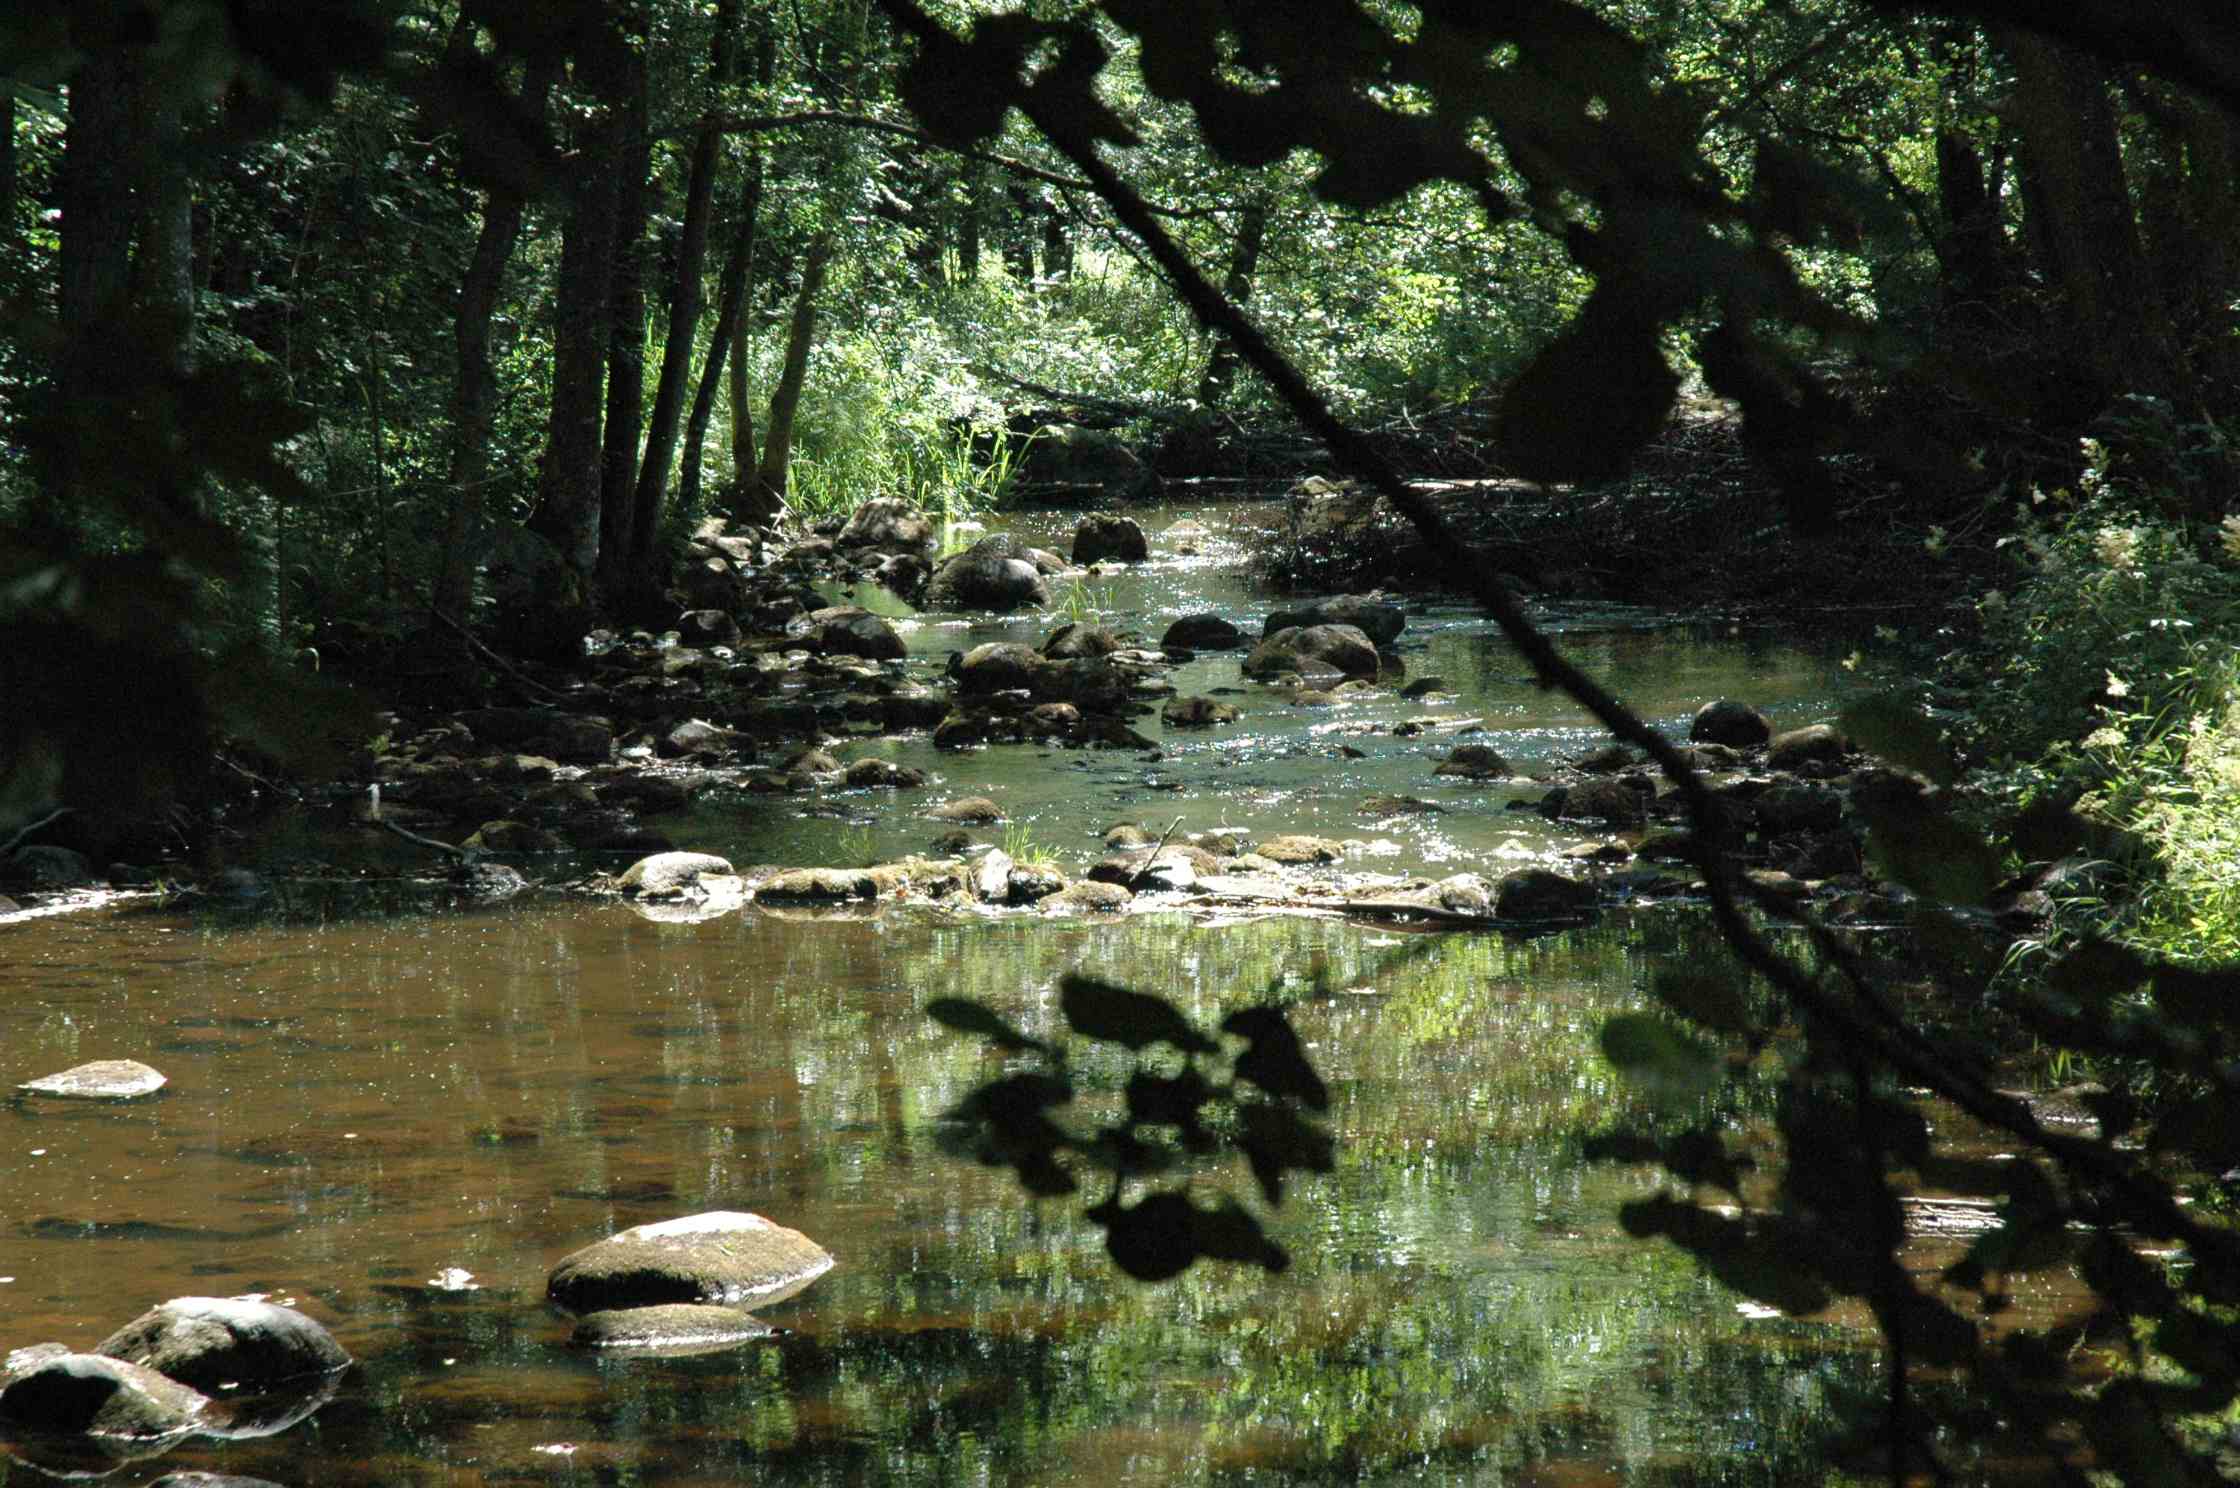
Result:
400,1121
361,1111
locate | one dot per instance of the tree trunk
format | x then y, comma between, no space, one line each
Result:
766,498
1244,262
2086,234
567,511
685,303
1057,245
474,396
626,347
733,290
968,224
163,259
8,237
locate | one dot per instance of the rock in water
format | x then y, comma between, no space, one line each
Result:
1729,722
726,1257
89,1395
673,1328
213,1342
103,1079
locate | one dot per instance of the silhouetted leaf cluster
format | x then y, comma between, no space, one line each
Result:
1177,1107
1830,1219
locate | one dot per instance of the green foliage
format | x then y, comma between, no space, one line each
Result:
2115,628
1172,1117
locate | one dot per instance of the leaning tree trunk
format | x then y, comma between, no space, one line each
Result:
474,396
567,513
762,502
733,287
2086,233
685,303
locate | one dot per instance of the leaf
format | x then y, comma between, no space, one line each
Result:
1133,1020
1275,1139
1152,1241
1171,1100
1888,726
1655,1052
1921,846
966,1016
1274,1059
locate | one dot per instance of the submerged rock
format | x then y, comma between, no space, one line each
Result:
1073,640
979,810
1196,712
725,1256
214,1342
102,1079
669,1328
91,1395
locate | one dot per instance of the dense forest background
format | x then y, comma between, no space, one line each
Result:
333,322
343,338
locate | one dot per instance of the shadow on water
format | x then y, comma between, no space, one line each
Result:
400,1125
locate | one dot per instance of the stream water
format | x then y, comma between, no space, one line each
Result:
400,1123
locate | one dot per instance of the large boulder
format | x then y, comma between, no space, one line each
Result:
726,1257
1608,798
1304,648
1105,538
672,1328
672,875
999,666
890,525
1737,725
1073,456
846,630
1203,632
996,573
70,1394
1380,621
225,1342
1539,894
102,1079
1073,640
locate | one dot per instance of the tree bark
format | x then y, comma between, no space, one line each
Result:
567,513
2085,233
626,345
1057,244
766,498
685,304
474,395
733,290
1244,262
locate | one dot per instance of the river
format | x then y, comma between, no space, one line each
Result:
399,1122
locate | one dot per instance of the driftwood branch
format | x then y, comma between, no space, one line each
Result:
521,679
24,832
